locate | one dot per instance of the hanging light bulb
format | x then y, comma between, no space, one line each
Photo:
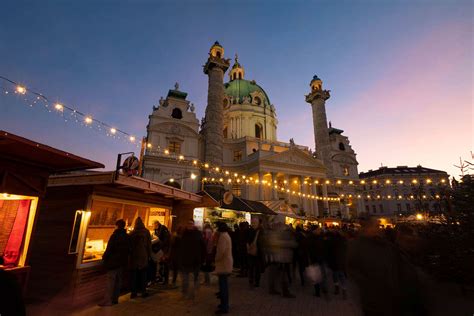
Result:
113,131
20,89
59,107
88,119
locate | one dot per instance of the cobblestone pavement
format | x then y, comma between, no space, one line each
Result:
243,301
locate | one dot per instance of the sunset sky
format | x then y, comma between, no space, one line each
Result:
400,72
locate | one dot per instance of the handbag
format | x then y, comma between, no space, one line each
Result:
313,273
252,247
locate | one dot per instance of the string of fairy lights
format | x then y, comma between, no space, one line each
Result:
215,173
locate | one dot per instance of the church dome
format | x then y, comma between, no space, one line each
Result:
241,88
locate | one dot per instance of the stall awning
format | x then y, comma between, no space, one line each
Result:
25,165
242,205
281,208
132,183
28,152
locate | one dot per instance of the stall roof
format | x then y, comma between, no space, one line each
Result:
242,205
25,151
132,183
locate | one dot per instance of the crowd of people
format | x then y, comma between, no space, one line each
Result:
286,253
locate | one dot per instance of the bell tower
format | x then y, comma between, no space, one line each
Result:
213,127
317,98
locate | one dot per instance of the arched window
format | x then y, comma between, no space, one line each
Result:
342,147
177,114
218,54
258,131
257,101
240,75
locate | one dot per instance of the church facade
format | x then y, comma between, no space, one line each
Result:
239,133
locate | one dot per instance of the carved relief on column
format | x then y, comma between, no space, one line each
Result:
260,186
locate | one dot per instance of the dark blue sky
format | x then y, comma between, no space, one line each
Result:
384,62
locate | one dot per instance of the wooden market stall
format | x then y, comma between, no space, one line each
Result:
78,216
25,166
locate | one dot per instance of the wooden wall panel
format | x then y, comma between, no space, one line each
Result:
52,267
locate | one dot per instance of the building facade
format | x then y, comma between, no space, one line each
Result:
391,192
239,133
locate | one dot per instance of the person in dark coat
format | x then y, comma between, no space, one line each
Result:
162,233
337,261
115,260
388,283
175,253
242,248
140,240
301,252
235,235
317,250
255,256
192,253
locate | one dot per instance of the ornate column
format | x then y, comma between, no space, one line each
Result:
325,201
317,98
274,191
288,185
215,68
260,186
314,189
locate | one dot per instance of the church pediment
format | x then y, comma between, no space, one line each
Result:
174,128
294,157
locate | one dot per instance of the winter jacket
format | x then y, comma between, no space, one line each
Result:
224,261
192,250
337,250
141,246
117,251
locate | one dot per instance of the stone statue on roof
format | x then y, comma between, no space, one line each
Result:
176,86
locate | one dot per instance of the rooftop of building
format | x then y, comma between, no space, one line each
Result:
399,170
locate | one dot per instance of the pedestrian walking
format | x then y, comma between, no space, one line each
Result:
175,253
255,252
337,250
224,264
279,246
115,260
162,234
191,255
242,248
317,250
140,240
301,252
209,241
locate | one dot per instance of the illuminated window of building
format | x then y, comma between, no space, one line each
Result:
174,147
237,155
236,190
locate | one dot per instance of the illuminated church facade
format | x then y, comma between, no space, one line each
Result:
239,134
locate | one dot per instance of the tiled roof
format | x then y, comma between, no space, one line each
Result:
400,170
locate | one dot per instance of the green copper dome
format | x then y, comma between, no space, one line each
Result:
241,88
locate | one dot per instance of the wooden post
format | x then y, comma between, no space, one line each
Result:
142,152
